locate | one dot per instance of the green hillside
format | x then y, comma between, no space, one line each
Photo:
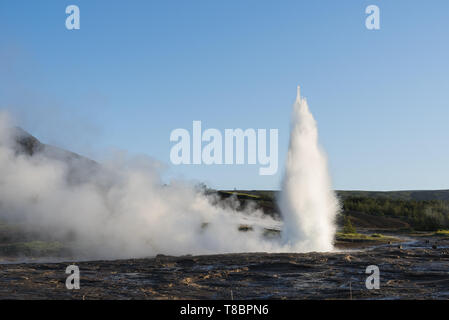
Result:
415,210
418,195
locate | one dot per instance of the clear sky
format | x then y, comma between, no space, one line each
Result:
136,70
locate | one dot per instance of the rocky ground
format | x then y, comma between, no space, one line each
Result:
417,269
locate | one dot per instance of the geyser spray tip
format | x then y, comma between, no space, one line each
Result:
298,93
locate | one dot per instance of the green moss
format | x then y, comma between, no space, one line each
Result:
31,248
341,236
442,233
241,194
377,235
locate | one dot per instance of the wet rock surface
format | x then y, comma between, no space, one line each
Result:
414,271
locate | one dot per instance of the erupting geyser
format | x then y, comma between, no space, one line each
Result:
308,203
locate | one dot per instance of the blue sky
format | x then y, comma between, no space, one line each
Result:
136,70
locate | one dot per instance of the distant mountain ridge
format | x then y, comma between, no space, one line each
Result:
79,168
30,145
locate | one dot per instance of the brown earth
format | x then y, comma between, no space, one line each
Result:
414,271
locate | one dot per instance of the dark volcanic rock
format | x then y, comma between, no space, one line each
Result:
415,272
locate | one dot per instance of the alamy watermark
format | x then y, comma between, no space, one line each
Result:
209,147
373,280
72,22
372,22
73,280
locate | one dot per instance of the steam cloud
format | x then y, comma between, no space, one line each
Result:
121,209
308,203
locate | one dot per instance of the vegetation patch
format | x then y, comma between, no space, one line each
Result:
442,233
359,237
241,194
424,215
31,248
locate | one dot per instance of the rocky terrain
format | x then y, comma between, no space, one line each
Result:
418,269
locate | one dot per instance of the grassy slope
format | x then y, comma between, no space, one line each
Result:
393,195
267,201
399,195
376,237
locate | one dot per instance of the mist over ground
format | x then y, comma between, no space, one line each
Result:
117,209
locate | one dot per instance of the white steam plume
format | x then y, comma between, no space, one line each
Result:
307,202
119,209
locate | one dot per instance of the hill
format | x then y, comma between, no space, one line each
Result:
407,195
418,210
418,195
79,167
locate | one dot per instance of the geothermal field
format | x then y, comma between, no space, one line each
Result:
133,236
235,159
